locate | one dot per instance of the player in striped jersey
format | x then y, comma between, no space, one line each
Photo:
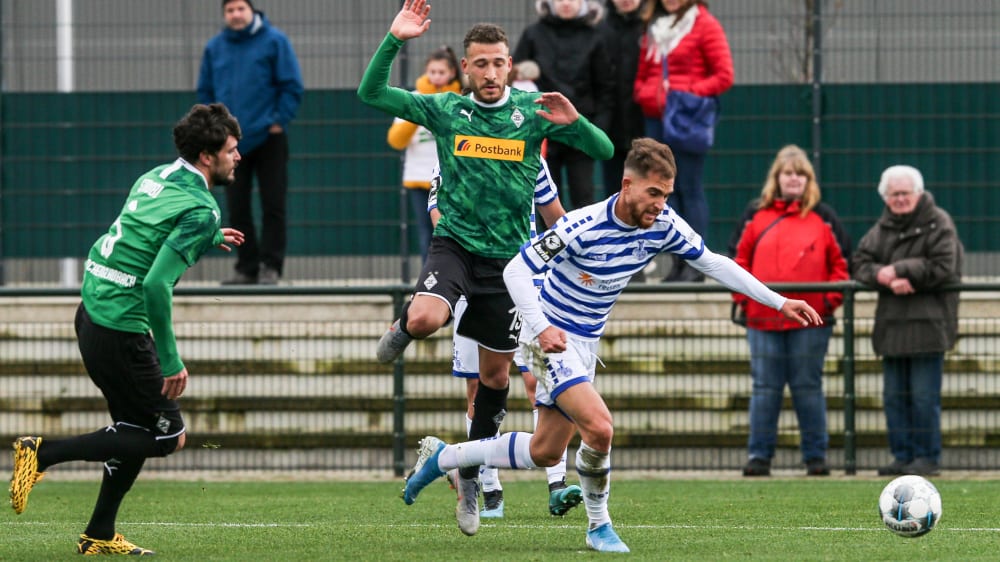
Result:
588,258
465,365
169,221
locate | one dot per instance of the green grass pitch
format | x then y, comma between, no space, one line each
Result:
794,519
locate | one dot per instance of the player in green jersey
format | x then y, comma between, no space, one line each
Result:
168,222
489,148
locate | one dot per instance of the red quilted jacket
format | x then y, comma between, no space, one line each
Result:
795,250
701,64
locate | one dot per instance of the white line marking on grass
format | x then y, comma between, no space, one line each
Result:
521,526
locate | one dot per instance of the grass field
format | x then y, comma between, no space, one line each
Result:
787,520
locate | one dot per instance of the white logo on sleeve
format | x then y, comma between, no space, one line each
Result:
549,246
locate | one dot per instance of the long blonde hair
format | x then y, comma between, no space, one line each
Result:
795,157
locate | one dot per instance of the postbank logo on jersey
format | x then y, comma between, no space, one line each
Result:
489,148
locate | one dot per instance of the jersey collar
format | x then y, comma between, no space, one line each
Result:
499,103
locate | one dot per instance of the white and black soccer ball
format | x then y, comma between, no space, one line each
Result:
910,506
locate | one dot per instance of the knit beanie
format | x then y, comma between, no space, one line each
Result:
224,2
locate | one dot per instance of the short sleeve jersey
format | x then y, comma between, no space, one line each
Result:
489,157
169,205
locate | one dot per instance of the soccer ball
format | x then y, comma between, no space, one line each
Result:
910,506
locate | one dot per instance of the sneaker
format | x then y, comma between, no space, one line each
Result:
467,509
117,545
563,498
492,505
239,278
604,539
922,466
25,474
817,467
425,470
392,344
268,276
896,468
757,466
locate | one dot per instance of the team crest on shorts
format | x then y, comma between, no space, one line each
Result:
163,424
430,281
549,246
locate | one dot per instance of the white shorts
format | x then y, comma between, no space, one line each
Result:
465,351
576,365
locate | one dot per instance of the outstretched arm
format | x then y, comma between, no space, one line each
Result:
734,277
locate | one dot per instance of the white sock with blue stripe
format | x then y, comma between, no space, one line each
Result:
509,450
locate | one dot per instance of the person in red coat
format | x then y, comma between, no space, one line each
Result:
789,236
698,61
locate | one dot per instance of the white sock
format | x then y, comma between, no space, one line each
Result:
594,468
489,476
509,450
557,473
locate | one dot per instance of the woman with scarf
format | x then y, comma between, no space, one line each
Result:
684,39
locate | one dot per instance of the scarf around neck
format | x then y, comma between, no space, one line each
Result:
666,35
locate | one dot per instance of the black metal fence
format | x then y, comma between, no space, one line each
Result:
90,89
285,380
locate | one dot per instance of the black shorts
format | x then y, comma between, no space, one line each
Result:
451,271
124,365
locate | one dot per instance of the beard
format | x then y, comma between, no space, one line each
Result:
220,179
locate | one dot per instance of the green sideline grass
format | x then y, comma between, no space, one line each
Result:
787,520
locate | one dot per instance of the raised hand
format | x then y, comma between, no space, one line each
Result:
411,21
560,109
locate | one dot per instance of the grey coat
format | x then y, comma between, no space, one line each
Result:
923,246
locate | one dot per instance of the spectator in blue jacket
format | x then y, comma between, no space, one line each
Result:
251,68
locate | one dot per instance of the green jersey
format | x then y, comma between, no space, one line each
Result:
169,205
489,154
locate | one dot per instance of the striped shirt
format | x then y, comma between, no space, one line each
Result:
590,255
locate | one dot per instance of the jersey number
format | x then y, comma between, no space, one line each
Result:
108,245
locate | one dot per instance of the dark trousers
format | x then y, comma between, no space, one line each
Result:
688,198
579,173
269,162
422,219
613,170
912,402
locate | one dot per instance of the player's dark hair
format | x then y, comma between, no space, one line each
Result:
486,34
648,156
205,128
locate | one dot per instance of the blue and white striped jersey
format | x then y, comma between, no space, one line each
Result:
588,257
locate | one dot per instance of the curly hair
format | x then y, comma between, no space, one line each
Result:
205,128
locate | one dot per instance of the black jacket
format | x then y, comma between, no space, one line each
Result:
923,247
573,61
622,36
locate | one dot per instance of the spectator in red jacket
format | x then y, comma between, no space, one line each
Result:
789,236
698,61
